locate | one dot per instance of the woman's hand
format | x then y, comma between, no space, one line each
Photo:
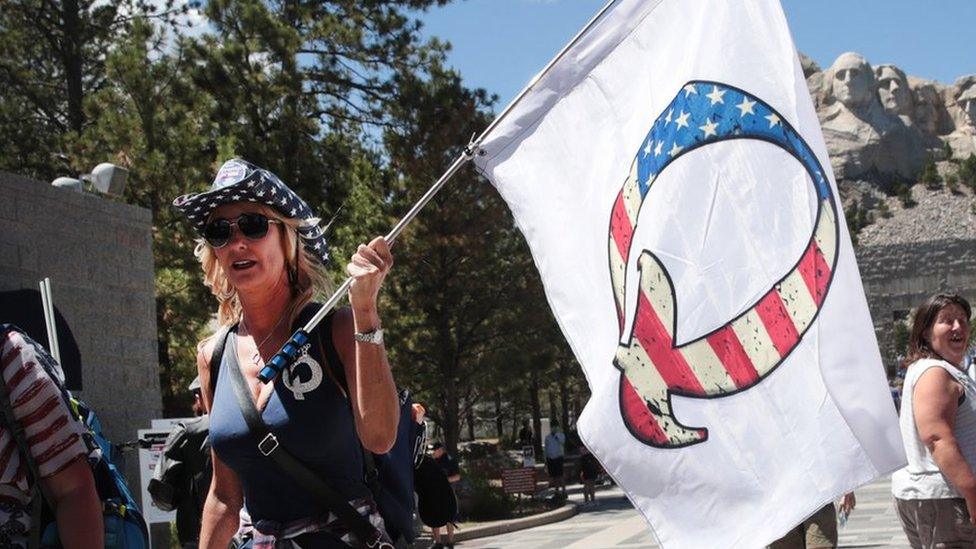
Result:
847,503
368,268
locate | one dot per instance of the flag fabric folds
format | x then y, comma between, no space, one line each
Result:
671,179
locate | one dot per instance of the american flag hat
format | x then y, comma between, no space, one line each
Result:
240,181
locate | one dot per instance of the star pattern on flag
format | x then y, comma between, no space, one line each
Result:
717,112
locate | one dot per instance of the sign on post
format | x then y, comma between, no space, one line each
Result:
148,459
518,481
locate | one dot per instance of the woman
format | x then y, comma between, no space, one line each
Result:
935,495
261,254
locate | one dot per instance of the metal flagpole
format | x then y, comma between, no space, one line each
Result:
47,303
289,351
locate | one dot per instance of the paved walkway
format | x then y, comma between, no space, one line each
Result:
612,522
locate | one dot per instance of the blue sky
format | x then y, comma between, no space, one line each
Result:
500,44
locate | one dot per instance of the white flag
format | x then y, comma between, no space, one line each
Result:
671,179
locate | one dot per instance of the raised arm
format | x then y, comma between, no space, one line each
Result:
371,387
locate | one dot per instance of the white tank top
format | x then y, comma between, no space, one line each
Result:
922,479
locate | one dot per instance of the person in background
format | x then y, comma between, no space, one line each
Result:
935,495
525,435
451,469
589,471
555,450
56,443
181,479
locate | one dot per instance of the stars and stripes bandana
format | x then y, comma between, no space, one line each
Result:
240,181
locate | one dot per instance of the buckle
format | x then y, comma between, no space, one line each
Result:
378,543
268,444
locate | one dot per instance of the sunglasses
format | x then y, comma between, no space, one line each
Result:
254,226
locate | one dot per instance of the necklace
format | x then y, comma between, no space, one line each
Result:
256,355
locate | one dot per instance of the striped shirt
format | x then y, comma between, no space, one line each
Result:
54,436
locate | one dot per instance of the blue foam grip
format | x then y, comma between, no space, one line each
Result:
284,358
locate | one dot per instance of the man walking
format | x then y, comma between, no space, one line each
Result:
555,450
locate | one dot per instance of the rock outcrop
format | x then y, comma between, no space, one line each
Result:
881,125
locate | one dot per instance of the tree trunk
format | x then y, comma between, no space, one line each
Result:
71,57
499,424
470,418
553,416
536,412
564,393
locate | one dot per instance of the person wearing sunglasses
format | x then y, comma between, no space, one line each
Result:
262,254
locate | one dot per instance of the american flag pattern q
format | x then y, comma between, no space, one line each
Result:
747,348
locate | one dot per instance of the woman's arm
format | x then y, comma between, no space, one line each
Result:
221,511
371,388
76,506
935,401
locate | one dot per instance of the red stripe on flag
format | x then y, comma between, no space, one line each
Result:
729,351
621,227
779,325
637,415
654,338
9,357
815,272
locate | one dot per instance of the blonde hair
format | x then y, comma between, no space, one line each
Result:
310,280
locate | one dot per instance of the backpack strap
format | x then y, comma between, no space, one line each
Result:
220,341
270,447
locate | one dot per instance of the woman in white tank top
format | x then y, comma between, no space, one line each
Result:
935,495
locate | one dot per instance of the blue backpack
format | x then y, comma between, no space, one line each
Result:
125,527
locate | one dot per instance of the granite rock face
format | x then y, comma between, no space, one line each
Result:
881,124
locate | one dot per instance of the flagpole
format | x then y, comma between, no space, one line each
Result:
289,351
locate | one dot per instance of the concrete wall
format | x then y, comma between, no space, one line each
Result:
897,278
98,254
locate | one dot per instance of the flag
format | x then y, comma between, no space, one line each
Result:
671,179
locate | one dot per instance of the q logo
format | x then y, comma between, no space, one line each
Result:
745,349
293,374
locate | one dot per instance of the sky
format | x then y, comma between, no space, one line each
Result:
500,44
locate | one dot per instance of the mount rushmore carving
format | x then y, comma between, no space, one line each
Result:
881,124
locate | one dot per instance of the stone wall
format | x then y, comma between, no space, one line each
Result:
898,277
98,254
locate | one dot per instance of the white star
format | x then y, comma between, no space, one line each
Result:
293,211
690,90
667,119
746,107
682,120
675,149
236,197
283,201
273,190
250,183
773,119
260,194
708,128
647,149
318,245
716,96
657,149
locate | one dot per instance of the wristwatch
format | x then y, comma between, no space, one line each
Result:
374,336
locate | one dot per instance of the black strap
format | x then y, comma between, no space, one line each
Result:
220,341
17,429
298,471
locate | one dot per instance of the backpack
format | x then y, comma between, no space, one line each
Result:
182,475
389,476
125,527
